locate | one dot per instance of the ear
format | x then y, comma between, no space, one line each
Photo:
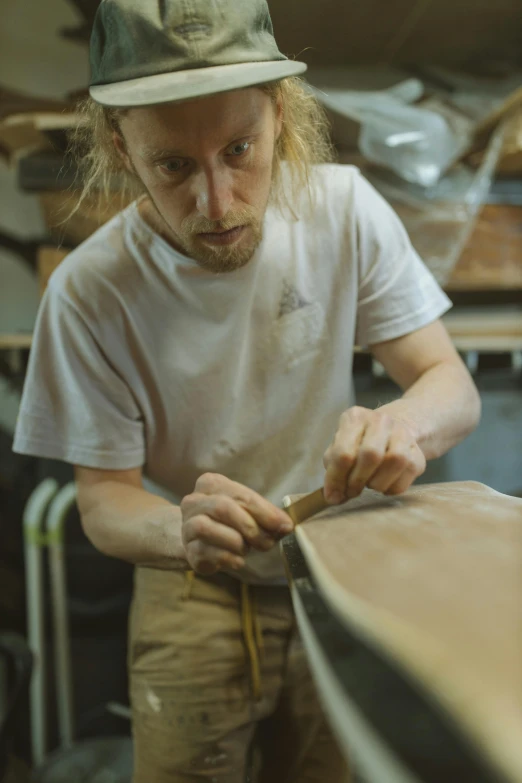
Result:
121,149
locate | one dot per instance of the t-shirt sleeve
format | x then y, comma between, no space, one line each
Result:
75,405
397,294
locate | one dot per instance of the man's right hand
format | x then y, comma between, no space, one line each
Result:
222,520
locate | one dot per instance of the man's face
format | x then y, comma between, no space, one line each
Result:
207,167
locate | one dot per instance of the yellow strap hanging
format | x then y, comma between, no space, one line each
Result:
258,632
248,623
250,626
189,584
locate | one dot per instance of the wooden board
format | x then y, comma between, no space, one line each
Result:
434,579
492,259
488,329
15,342
58,205
491,330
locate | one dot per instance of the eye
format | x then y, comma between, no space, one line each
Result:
173,166
239,149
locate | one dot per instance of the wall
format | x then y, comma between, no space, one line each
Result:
33,59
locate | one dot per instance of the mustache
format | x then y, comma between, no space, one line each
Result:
197,224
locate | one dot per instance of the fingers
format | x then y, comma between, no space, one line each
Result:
267,516
371,455
211,546
413,468
207,560
231,516
222,519
401,465
340,457
212,533
402,484
371,449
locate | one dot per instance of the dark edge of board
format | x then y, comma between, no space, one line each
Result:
409,722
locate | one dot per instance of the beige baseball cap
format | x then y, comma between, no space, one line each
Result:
146,52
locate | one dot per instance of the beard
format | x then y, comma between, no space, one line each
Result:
221,258
216,258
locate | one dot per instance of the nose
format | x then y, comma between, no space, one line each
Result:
213,193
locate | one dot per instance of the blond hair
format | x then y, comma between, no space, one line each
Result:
304,142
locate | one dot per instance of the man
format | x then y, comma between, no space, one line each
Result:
203,340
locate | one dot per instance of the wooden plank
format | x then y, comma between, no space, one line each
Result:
507,108
433,578
21,139
477,322
15,342
74,229
487,329
496,331
492,259
13,102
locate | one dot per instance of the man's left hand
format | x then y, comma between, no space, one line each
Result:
371,449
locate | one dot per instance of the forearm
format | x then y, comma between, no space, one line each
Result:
440,408
130,523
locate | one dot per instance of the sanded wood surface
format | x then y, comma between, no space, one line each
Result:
433,578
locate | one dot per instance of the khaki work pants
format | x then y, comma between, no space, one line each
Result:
220,687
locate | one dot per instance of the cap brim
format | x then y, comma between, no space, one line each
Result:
194,83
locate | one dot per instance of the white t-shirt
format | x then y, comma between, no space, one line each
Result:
142,358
